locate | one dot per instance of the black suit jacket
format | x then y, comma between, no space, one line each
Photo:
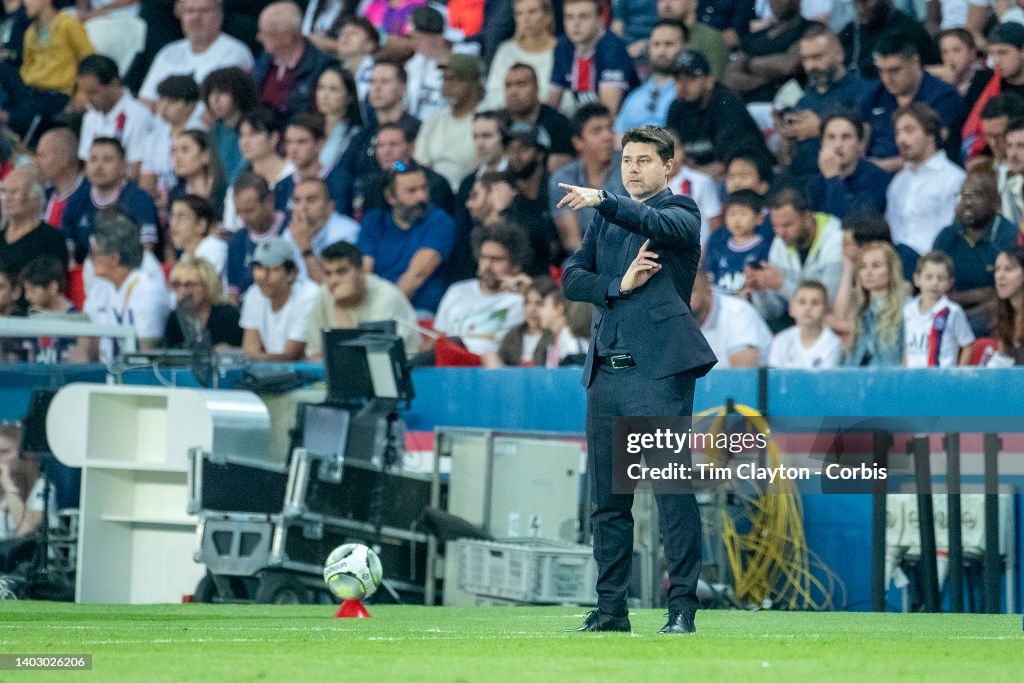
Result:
654,322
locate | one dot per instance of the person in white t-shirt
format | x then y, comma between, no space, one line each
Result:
275,313
203,49
808,345
112,112
936,331
733,328
481,311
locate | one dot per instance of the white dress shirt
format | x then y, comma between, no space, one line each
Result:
921,201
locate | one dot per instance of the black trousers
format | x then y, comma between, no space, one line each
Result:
618,393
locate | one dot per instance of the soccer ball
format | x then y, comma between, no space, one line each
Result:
353,571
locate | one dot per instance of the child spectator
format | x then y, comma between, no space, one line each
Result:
876,307
740,245
200,309
21,488
43,283
935,329
10,288
525,344
566,345
808,345
192,219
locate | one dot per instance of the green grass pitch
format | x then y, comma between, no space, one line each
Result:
284,643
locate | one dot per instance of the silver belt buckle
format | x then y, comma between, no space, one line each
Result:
620,361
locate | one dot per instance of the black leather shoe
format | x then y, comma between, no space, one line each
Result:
679,623
599,621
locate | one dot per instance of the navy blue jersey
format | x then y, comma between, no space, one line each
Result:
79,219
725,260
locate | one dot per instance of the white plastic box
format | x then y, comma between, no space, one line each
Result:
529,571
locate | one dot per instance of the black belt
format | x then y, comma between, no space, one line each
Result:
619,361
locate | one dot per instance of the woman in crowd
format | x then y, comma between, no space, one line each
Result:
258,138
1009,325
527,343
533,43
197,170
556,315
876,308
228,94
200,309
192,222
336,99
21,488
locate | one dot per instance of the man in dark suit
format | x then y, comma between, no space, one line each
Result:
636,266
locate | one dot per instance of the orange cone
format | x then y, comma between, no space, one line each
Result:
352,609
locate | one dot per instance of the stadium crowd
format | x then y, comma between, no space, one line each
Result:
263,170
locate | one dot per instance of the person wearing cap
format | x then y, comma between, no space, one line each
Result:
637,267
1006,49
423,94
712,121
445,141
287,72
649,103
523,107
527,153
275,313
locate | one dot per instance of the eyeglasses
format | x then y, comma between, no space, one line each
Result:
183,284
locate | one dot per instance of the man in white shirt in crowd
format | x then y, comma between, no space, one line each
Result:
122,293
112,112
350,296
733,328
481,311
921,199
315,224
203,49
275,313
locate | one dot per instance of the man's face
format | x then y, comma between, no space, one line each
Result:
301,148
597,140
820,58
808,307
175,112
582,22
344,280
643,172
353,42
456,87
523,159
477,203
1008,59
410,199
915,146
979,201
200,19
257,215
994,131
664,46
274,38
392,147
521,92
385,89
692,88
14,197
312,200
100,97
792,227
487,141
840,138
676,10
51,160
900,76
273,281
104,168
493,265
1015,150
104,263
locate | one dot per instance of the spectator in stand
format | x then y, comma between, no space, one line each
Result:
528,162
258,138
533,44
876,308
481,311
315,224
502,202
877,19
200,314
731,17
24,236
1006,50
228,94
424,68
995,119
123,294
177,111
43,281
410,241
36,92
649,103
633,21
767,58
732,327
357,41
748,170
192,221
568,345
254,204
597,166
700,187
203,49
960,62
809,344
711,120
445,141
859,229
525,344
303,141
922,197
845,181
731,251
275,313
59,169
703,37
590,64
112,111
318,21
22,494
394,147
1009,320
338,102
197,170
525,110
936,333
350,296
287,72
973,241
903,81
14,22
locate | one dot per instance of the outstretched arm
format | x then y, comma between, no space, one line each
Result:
677,225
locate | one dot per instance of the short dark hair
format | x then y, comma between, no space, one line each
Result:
101,67
759,161
109,142
961,34
343,251
938,257
789,195
673,23
652,135
261,120
395,126
747,198
362,22
252,181
849,115
399,69
816,29
867,226
509,235
9,270
200,206
1016,124
400,168
590,110
1008,104
178,88
42,270
233,81
523,66
926,117
813,285
492,178
310,121
319,182
895,44
353,116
